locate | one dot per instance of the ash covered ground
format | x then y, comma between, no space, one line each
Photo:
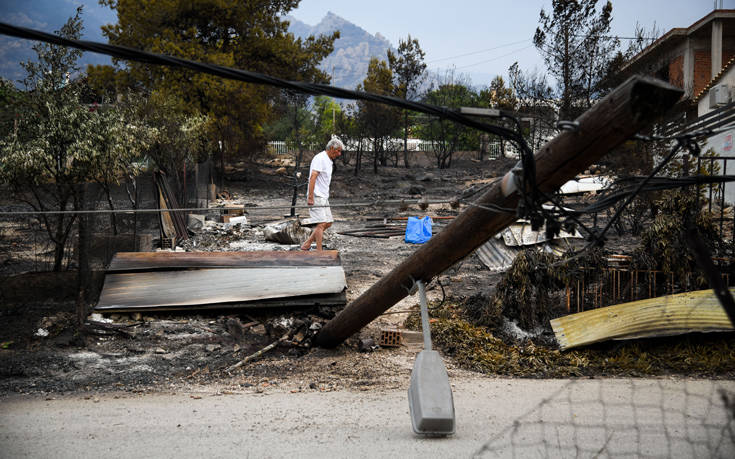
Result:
173,351
191,351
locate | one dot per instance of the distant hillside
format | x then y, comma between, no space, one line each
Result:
49,16
349,60
352,52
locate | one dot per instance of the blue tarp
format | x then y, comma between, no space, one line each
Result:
418,230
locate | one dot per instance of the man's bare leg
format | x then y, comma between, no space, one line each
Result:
316,236
319,234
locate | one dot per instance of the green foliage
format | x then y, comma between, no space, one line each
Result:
496,95
448,136
10,101
58,143
409,71
249,35
379,121
326,114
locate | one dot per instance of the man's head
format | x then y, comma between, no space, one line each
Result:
334,148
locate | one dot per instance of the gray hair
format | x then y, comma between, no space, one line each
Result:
335,143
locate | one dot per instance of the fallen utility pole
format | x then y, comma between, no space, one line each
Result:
631,107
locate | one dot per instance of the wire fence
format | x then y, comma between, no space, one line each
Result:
624,418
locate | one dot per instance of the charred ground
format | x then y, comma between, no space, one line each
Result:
190,350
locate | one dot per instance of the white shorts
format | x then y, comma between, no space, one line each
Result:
319,214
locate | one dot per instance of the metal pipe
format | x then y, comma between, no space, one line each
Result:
424,316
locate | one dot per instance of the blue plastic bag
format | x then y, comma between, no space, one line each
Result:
418,230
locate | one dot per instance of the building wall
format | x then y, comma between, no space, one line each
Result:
722,143
676,72
703,103
702,70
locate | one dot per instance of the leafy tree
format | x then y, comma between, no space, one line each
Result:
177,136
326,113
447,136
575,44
409,72
378,120
249,35
353,135
10,100
496,95
58,144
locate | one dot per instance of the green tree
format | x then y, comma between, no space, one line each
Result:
58,145
326,113
496,95
409,72
446,136
378,120
250,35
576,46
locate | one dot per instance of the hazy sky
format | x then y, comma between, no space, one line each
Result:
496,32
480,38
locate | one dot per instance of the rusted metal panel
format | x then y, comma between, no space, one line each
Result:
210,286
303,301
149,261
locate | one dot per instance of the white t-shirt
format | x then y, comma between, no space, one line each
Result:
323,164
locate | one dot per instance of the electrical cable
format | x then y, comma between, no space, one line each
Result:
136,55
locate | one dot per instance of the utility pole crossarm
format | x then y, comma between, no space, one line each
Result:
631,107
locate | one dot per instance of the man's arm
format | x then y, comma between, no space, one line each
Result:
312,184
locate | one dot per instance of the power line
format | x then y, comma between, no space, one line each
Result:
136,55
477,52
374,203
496,58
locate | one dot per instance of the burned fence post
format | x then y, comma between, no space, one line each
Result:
631,107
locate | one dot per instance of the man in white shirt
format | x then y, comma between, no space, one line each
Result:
320,176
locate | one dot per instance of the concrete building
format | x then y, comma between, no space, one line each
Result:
700,59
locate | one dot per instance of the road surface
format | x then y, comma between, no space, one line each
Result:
495,418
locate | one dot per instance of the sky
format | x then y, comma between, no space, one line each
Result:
478,38
482,38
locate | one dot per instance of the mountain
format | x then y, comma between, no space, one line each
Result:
48,16
348,62
352,51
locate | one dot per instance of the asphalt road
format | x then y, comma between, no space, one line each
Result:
495,418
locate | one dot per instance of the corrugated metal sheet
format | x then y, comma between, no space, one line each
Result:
498,257
522,234
205,286
181,280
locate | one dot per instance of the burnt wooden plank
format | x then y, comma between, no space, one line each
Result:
331,299
149,261
207,286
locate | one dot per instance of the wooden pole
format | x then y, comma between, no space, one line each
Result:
629,108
